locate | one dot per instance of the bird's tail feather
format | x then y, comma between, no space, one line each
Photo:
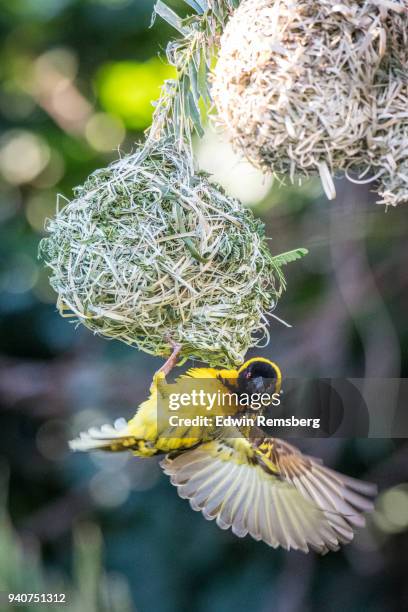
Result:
114,438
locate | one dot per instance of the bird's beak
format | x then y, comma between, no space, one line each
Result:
258,384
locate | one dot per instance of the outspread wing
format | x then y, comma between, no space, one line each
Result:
270,491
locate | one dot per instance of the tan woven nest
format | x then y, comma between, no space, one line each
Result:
304,87
149,251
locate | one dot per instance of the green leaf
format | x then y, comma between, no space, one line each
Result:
195,114
218,10
192,73
170,16
202,83
203,4
196,5
284,258
187,241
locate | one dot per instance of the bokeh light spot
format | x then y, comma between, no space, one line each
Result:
52,173
40,207
109,490
395,505
110,462
20,275
105,132
23,155
391,515
61,59
127,89
237,176
51,440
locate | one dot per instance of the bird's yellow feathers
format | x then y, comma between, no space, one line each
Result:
263,487
142,433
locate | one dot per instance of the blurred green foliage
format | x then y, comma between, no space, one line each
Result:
22,572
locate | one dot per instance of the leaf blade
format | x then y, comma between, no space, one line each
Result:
284,258
166,13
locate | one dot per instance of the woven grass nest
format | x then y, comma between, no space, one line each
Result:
148,251
318,87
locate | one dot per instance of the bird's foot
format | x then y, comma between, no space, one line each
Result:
172,360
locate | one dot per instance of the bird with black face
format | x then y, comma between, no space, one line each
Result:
259,486
258,375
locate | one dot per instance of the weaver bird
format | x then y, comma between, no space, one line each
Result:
260,486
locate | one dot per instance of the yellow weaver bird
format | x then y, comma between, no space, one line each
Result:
259,486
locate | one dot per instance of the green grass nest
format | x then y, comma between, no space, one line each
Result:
149,250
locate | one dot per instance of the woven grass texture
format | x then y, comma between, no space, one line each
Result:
304,87
148,251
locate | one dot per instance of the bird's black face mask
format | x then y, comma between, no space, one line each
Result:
259,376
